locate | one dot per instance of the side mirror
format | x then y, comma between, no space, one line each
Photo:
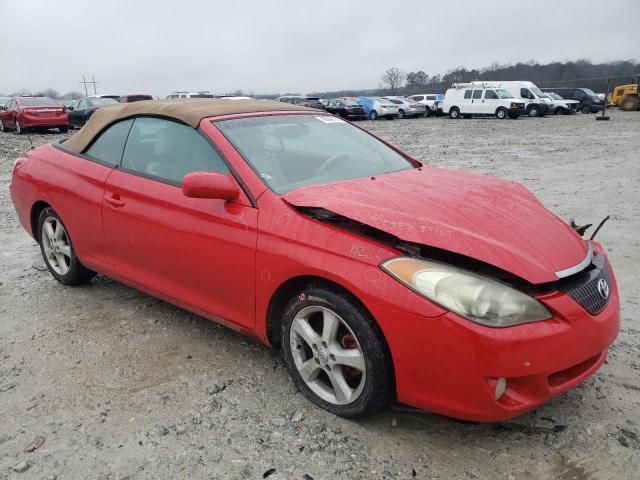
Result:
209,185
69,107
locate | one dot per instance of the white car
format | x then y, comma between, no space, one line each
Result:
468,99
408,108
562,106
432,101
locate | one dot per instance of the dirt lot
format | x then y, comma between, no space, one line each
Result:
121,385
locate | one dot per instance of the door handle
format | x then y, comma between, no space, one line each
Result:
114,200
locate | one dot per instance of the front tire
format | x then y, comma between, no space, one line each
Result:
401,114
373,115
585,109
533,111
58,252
336,354
63,129
501,113
454,113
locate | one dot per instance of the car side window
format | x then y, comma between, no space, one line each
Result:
80,105
168,150
467,93
490,94
579,95
525,93
110,144
477,94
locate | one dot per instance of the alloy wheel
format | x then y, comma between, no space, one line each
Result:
327,355
55,243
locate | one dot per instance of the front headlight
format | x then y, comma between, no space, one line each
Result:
476,298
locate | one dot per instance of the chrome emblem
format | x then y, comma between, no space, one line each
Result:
603,288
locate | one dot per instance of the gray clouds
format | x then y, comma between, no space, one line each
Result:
288,45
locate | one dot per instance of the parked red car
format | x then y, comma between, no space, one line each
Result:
33,112
380,278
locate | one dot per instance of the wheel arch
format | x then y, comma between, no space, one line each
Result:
36,210
294,286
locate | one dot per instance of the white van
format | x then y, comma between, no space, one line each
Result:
467,99
536,101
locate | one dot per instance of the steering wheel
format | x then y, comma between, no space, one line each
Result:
330,162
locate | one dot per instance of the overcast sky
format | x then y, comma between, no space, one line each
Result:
292,45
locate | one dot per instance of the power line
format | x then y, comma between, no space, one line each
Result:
85,83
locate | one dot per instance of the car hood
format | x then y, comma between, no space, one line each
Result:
495,221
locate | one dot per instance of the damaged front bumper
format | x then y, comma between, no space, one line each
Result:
456,368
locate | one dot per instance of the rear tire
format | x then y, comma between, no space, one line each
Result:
501,113
313,351
454,113
58,252
401,114
19,129
373,115
629,104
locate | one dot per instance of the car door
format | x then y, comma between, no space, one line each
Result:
12,112
76,117
476,102
490,102
77,192
197,253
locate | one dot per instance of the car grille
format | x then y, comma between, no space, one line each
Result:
585,290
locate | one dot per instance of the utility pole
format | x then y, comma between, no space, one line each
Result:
93,81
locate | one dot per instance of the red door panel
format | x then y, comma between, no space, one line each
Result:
199,252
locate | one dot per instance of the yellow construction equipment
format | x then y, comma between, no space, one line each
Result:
626,97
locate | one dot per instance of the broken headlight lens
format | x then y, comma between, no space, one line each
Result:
476,298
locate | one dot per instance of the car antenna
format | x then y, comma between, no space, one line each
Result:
599,227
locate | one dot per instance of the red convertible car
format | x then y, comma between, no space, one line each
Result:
380,278
33,112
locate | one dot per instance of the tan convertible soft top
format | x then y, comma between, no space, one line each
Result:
189,111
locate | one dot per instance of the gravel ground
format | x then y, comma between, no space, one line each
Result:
105,382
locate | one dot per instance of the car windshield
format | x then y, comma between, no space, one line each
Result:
537,91
554,96
291,151
37,101
502,93
101,101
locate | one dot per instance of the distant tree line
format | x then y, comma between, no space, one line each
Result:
579,73
48,92
394,81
